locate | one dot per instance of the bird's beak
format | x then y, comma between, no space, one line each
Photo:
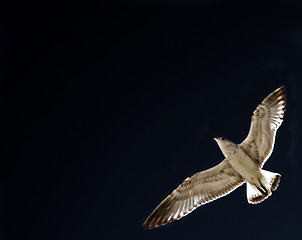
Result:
214,137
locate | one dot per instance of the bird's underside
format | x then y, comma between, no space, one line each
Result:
220,180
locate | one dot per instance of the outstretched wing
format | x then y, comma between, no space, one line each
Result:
266,119
199,189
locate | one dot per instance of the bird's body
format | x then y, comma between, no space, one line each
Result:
258,181
242,164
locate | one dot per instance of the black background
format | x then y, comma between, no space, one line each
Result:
108,106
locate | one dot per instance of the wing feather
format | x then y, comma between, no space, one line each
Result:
265,122
196,190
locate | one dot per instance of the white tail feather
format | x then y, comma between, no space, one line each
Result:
254,196
269,181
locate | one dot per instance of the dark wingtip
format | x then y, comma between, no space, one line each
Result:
146,225
276,182
282,90
151,222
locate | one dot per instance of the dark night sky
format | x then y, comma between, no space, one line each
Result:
107,107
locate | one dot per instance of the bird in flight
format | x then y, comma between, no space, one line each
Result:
242,164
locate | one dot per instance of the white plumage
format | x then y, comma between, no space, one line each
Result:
242,164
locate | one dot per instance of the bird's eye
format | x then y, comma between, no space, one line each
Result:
223,138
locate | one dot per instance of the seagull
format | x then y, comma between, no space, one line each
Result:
242,164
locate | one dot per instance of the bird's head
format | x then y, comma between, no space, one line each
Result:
227,146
